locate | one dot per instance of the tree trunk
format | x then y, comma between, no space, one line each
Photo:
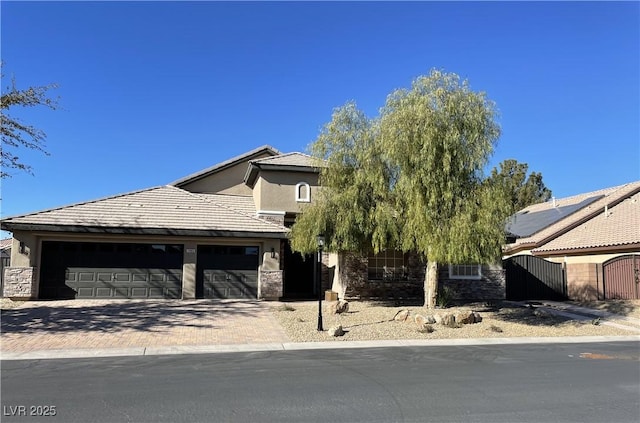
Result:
431,284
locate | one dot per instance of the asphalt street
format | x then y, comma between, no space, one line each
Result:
596,382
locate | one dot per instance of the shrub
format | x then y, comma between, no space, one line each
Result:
445,296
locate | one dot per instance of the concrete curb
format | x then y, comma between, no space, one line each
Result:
214,349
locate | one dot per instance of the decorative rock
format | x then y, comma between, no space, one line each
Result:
430,320
401,316
336,331
447,319
464,317
541,313
425,328
477,318
337,307
420,320
342,307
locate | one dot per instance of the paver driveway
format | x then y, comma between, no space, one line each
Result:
75,324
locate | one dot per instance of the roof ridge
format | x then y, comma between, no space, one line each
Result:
602,191
215,203
82,203
202,173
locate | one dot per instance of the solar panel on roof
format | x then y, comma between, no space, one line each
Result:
524,224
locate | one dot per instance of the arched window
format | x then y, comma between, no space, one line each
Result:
303,192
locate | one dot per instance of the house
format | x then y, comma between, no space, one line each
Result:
218,233
593,237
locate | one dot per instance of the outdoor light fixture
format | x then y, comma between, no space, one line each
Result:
22,248
318,277
273,252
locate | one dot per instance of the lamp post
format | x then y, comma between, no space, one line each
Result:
318,272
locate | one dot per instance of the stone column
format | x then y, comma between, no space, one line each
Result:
19,283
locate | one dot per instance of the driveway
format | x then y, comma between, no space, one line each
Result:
77,324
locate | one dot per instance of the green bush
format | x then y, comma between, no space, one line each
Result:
445,296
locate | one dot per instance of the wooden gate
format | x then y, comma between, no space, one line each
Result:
622,278
534,278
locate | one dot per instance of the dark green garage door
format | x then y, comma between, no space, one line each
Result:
110,270
227,272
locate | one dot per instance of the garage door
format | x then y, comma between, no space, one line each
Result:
110,270
227,272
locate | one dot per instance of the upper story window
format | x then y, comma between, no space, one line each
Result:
465,271
303,192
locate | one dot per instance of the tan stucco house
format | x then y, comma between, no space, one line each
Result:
594,236
219,233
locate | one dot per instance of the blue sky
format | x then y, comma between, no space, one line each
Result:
154,91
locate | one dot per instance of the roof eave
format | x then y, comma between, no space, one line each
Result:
588,250
78,229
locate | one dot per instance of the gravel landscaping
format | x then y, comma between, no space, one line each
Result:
366,321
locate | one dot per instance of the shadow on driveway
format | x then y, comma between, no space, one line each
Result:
114,316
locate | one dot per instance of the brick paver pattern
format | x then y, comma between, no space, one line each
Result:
76,324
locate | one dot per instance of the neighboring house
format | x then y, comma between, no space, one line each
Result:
594,236
5,258
218,233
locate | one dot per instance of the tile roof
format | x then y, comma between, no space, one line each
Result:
607,197
6,243
217,167
619,226
164,209
288,159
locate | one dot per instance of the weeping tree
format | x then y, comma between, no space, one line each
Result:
410,178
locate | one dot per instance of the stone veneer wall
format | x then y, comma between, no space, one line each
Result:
359,287
271,284
19,282
492,286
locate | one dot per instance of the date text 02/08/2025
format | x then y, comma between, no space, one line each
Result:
29,410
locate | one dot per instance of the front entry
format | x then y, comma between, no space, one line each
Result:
298,274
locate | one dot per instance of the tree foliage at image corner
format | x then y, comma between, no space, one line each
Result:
16,134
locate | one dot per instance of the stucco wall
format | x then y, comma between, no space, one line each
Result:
226,181
584,281
276,190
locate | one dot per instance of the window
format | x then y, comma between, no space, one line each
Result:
388,265
465,271
303,192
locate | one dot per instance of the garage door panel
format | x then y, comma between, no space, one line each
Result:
103,292
85,276
228,272
84,292
69,271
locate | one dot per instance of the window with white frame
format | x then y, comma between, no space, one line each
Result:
465,271
388,265
303,192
